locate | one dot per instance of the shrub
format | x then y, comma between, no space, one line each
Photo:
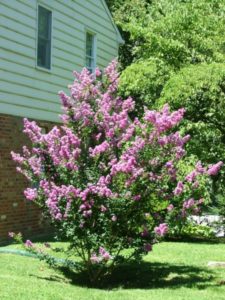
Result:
109,183
191,230
144,81
201,90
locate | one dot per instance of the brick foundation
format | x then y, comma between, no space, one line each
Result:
16,213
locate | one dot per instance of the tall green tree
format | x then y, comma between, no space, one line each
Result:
178,32
177,54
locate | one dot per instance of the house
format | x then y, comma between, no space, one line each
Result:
42,42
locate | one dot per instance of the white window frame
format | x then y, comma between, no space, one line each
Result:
39,3
94,56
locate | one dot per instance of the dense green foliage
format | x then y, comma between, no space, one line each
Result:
178,33
192,231
201,90
174,52
145,81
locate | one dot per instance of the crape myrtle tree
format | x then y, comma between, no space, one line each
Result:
107,182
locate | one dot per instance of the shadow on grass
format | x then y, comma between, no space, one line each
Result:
145,275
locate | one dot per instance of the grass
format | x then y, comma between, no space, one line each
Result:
171,271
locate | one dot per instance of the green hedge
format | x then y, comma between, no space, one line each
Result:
200,89
144,81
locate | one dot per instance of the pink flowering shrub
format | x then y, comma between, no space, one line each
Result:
107,182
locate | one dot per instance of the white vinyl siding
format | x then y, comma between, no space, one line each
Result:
28,91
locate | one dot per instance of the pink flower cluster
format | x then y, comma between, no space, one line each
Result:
214,169
31,194
179,189
192,206
29,244
103,256
63,149
85,208
54,194
103,147
199,170
171,169
170,207
162,229
189,203
164,120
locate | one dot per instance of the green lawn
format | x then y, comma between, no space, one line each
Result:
172,271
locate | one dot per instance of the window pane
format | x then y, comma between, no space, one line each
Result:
89,62
44,22
44,37
89,44
43,53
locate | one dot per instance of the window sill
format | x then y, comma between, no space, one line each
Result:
43,69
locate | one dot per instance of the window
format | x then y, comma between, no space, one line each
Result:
90,51
44,37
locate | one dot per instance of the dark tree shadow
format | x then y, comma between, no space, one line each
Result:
145,275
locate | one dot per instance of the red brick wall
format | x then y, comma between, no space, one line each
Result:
16,213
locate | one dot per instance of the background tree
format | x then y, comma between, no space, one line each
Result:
165,38
201,90
178,33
